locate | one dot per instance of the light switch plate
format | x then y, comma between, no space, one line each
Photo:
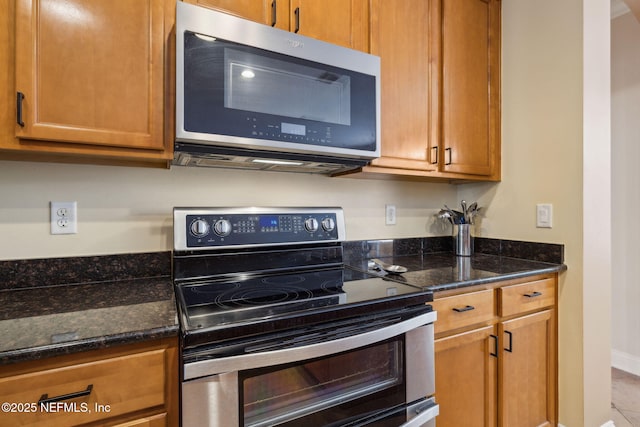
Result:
390,214
544,215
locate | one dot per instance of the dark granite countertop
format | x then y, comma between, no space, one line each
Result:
52,319
433,266
444,271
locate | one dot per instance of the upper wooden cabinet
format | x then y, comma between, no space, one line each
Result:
269,12
440,88
470,108
90,78
341,22
401,35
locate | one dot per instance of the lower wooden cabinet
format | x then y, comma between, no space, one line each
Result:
128,386
466,381
498,368
527,389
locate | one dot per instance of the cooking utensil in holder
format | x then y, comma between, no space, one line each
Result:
463,239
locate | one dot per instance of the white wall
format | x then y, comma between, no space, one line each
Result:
123,210
625,111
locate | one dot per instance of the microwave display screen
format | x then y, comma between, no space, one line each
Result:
293,129
237,90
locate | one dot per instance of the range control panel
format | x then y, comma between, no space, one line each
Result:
249,227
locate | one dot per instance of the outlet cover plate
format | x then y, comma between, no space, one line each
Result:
64,217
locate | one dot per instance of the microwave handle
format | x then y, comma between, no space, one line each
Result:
288,355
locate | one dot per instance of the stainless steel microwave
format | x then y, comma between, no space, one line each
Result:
255,97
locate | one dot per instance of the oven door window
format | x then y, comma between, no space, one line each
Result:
349,386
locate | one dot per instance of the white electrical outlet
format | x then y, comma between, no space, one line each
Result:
64,217
544,215
390,214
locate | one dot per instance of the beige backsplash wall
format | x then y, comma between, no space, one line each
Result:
123,210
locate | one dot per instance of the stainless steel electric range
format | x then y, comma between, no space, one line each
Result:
276,330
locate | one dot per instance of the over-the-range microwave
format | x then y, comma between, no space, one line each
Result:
252,96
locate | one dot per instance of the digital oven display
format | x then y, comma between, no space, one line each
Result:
269,221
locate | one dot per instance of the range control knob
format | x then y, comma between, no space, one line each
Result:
328,224
311,224
199,228
222,227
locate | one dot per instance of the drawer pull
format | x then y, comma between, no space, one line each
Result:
533,294
297,15
45,399
463,309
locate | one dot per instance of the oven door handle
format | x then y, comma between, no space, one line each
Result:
243,362
421,413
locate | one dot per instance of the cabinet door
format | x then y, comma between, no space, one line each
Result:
341,22
528,371
400,35
466,378
91,72
269,12
470,87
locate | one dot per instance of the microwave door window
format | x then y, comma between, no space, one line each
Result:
265,85
234,90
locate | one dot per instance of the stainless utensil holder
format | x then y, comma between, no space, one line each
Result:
463,239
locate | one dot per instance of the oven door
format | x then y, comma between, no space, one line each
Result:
381,377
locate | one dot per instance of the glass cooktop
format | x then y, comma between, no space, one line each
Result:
274,300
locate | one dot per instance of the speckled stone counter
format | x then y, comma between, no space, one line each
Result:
54,307
433,266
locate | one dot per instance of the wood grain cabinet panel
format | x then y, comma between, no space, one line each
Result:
470,138
268,12
528,365
89,79
401,34
521,298
466,380
341,22
503,373
440,89
129,386
464,310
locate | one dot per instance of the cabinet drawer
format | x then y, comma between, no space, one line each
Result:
111,387
463,310
525,297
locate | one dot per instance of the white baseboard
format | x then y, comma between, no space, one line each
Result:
625,362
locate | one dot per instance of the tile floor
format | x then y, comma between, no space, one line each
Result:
625,396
